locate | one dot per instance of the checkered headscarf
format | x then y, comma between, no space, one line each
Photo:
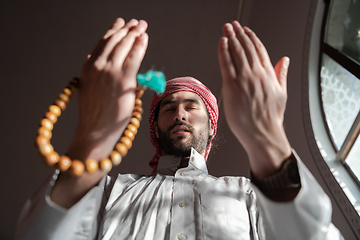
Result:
188,84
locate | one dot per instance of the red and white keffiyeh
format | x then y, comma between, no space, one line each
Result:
188,84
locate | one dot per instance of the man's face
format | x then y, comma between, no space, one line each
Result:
183,123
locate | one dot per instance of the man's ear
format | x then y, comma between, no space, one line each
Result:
156,130
211,128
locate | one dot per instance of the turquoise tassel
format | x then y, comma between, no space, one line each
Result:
154,80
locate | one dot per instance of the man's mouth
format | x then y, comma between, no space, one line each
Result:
180,130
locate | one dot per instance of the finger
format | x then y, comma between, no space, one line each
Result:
227,67
123,48
247,44
235,49
118,24
117,37
281,71
260,48
135,56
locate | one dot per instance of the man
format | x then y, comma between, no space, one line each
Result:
181,200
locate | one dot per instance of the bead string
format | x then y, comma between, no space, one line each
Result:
77,167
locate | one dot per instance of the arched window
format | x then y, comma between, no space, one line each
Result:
340,84
331,100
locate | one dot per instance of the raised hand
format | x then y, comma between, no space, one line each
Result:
106,97
106,93
254,95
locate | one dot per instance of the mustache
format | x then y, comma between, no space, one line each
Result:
189,127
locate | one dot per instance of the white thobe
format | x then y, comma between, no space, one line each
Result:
179,204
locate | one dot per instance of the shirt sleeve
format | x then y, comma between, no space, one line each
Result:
42,219
308,216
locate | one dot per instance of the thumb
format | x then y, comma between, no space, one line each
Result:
281,71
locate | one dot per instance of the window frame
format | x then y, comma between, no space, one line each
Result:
321,147
353,68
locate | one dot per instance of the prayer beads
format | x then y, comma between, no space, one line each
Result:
77,167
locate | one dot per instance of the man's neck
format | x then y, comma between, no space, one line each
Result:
184,162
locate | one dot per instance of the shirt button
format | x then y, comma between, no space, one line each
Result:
182,204
182,237
193,159
182,174
174,162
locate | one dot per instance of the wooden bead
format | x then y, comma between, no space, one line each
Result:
64,97
129,134
68,92
77,168
64,163
46,133
105,164
138,109
138,102
51,117
91,165
139,92
132,128
121,148
41,140
127,141
55,110
137,115
135,122
61,104
46,149
46,123
71,87
74,82
51,159
115,158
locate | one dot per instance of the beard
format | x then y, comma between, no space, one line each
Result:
199,140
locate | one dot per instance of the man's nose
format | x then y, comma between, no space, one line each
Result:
180,114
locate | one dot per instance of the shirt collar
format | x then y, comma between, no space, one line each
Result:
168,165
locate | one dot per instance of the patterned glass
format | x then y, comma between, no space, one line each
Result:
353,159
340,93
343,27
